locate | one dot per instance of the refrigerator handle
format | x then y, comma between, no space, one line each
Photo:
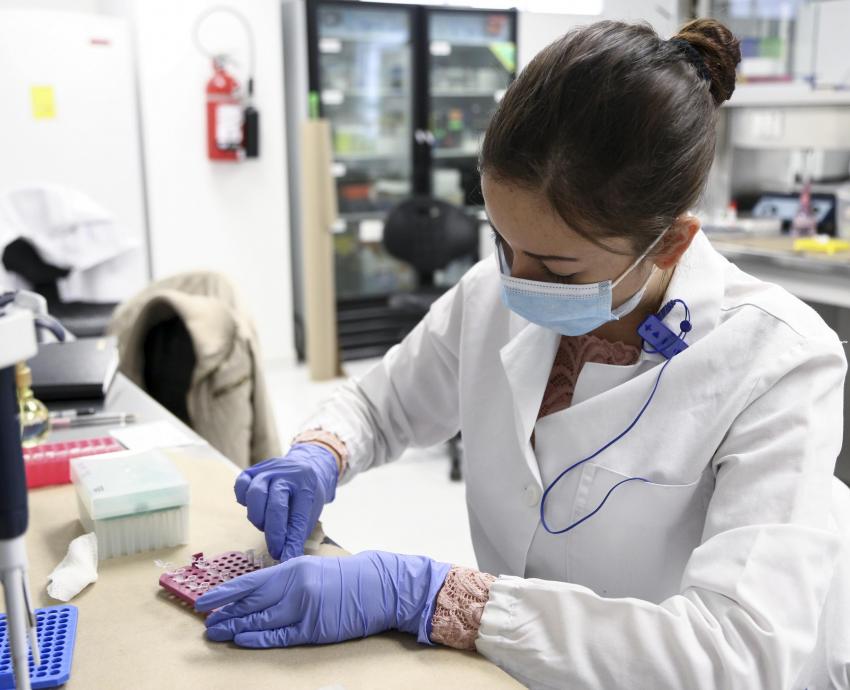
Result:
424,137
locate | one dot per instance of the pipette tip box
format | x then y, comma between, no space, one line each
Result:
133,501
56,627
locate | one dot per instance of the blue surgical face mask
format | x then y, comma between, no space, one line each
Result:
568,309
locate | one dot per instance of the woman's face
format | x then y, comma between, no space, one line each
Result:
539,245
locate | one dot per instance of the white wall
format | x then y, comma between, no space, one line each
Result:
91,143
536,30
90,6
229,217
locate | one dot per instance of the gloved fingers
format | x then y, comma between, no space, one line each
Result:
256,498
264,639
270,588
301,511
240,487
253,603
234,590
277,517
278,616
243,481
226,629
219,634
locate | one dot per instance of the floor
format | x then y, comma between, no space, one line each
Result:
409,506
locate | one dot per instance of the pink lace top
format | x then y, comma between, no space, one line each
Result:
460,602
572,355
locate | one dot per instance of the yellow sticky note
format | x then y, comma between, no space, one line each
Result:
43,103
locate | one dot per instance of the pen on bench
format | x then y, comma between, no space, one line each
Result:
72,414
92,420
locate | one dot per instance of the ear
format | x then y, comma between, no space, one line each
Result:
676,241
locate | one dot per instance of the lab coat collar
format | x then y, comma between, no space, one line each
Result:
527,360
528,356
698,282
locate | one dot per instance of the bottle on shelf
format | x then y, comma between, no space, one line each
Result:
805,223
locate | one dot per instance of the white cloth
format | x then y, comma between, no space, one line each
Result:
105,282
69,230
77,570
739,445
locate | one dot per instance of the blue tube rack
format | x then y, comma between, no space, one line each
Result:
57,632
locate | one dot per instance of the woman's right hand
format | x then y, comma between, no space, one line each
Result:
285,496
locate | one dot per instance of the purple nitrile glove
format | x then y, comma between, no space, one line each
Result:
314,600
285,496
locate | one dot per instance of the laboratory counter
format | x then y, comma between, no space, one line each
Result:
133,634
811,276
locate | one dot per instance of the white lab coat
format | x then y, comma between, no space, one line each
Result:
730,569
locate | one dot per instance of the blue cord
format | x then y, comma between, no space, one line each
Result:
685,329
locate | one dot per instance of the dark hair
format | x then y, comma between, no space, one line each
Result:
616,126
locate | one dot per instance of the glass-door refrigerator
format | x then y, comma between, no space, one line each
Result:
471,58
361,73
408,91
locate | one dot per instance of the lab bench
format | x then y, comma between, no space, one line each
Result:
820,280
132,634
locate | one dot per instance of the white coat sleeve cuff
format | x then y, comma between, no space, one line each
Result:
498,622
499,610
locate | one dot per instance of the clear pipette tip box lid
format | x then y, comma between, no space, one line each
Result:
133,501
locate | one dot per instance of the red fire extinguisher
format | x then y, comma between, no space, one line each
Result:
224,114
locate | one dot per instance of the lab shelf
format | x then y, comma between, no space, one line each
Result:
455,153
367,93
464,93
811,277
342,157
786,94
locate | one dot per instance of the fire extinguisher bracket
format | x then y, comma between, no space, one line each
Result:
232,120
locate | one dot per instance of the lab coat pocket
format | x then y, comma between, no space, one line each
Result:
638,544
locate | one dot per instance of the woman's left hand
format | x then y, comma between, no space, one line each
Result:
315,600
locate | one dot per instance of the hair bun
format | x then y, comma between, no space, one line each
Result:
720,51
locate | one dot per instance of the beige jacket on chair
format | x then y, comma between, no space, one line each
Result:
228,403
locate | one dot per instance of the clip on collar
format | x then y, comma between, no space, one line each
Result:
662,339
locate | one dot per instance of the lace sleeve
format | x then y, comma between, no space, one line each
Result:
329,439
460,603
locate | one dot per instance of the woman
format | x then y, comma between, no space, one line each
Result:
649,432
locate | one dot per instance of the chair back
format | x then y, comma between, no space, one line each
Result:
429,234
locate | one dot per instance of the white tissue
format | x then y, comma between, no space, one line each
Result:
77,569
